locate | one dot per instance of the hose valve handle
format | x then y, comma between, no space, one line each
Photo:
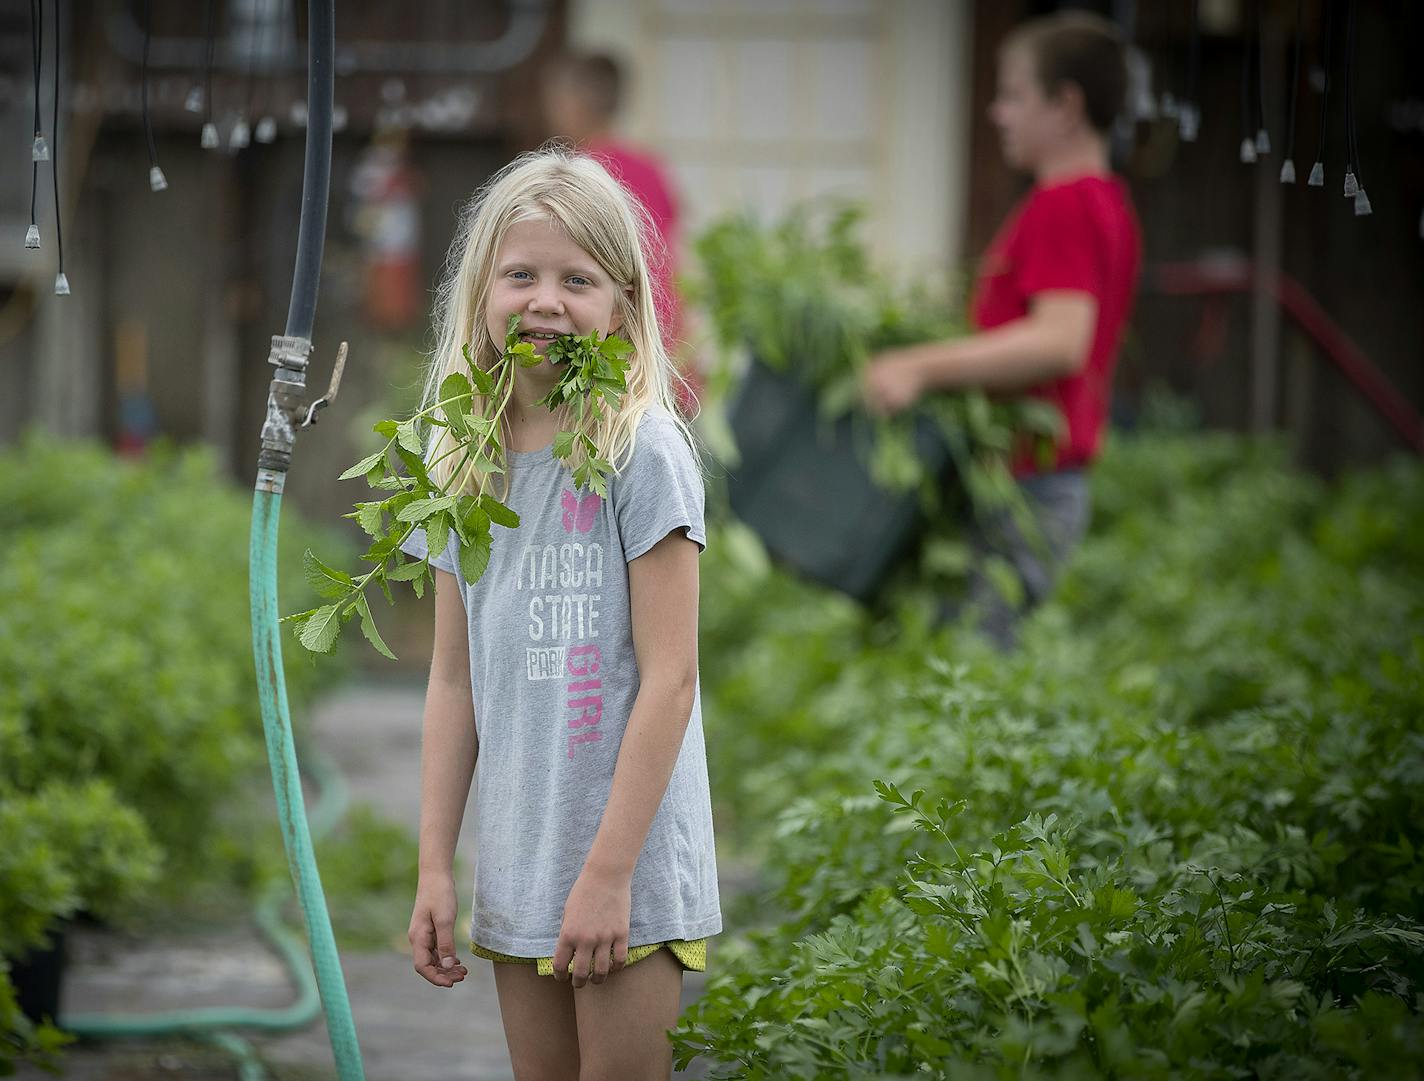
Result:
330,395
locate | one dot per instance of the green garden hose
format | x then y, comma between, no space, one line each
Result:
287,783
287,411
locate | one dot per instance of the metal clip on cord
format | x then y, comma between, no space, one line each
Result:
286,397
287,408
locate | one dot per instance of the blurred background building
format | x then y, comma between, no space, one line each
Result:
752,104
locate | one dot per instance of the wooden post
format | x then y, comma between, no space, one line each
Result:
67,367
219,362
1266,241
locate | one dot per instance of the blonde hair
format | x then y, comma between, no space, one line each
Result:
577,194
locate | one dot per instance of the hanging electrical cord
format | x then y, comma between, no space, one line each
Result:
209,139
1317,171
1169,104
39,150
241,135
266,128
17,312
197,95
156,180
61,283
1189,113
1354,186
1248,101
1288,166
1263,137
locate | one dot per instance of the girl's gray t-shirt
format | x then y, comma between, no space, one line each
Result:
553,677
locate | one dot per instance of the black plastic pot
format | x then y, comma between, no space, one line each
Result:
804,487
38,978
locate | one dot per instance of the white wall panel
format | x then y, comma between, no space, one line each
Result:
762,102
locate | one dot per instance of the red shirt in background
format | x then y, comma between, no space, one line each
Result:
1080,235
646,180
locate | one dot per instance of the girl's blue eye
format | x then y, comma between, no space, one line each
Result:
516,273
578,280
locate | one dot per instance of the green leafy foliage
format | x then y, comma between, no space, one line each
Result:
127,712
591,384
592,380
1174,836
68,847
371,865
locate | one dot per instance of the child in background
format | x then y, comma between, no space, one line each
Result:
564,681
582,95
1052,296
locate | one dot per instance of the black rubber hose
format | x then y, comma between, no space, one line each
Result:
316,179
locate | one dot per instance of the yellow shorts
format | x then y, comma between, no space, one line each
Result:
690,953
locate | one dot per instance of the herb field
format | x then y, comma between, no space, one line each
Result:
1174,836
130,741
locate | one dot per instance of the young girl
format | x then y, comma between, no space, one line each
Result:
565,679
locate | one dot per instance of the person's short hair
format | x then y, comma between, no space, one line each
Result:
1080,48
598,76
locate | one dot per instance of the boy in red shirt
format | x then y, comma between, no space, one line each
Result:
1052,295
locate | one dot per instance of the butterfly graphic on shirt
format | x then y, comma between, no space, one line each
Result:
580,511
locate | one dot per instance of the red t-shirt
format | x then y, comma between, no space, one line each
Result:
1080,235
646,180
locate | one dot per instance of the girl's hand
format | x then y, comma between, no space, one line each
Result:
594,935
432,932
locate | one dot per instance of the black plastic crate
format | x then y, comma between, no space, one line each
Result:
803,485
38,977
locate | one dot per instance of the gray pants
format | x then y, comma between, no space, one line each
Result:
1061,506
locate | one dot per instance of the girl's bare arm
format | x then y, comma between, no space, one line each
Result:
662,593
1052,342
447,765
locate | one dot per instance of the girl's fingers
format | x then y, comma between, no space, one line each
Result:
426,956
563,957
446,947
602,959
422,938
582,966
584,963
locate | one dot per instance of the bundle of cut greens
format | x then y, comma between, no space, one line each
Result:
471,407
801,297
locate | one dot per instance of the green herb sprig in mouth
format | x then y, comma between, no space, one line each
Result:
471,405
594,376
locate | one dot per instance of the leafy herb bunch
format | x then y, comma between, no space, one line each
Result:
470,406
801,295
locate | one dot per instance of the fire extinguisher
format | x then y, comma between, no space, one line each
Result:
386,215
